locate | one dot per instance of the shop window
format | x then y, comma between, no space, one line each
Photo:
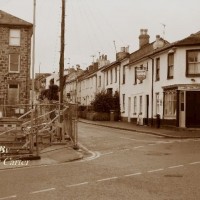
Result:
170,103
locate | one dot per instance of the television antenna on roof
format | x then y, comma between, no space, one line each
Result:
92,58
164,25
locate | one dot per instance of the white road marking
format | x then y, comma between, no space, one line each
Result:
124,149
194,163
155,170
45,190
107,179
175,166
135,174
138,147
78,184
9,197
152,144
102,154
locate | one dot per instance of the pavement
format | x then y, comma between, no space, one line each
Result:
52,155
179,133
61,153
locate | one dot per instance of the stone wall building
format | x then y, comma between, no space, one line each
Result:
15,59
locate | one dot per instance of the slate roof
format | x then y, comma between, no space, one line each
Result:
8,19
193,39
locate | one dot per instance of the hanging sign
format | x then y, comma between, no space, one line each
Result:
141,74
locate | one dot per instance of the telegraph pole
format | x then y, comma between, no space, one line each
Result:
61,67
33,81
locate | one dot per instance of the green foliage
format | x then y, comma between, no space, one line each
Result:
104,102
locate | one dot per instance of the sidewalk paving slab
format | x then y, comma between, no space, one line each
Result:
169,133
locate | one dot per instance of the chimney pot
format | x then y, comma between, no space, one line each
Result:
158,36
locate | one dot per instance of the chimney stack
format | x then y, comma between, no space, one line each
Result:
143,38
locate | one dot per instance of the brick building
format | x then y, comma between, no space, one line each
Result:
15,59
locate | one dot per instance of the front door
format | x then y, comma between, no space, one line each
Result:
193,109
129,109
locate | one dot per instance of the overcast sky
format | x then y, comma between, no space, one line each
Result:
93,25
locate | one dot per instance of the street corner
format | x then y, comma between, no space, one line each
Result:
60,154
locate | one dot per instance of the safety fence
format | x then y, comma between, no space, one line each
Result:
29,128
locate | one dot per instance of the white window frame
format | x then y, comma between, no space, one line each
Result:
15,37
170,104
193,66
157,103
11,71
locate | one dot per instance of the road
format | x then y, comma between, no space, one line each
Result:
118,165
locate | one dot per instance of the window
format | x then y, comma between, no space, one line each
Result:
193,63
157,103
123,102
135,106
14,38
99,81
14,63
140,111
111,76
157,69
115,74
135,75
107,78
170,103
123,75
170,70
13,94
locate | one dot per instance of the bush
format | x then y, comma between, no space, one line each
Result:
103,102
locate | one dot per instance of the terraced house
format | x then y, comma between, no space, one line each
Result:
15,60
163,79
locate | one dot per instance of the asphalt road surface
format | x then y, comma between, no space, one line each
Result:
118,165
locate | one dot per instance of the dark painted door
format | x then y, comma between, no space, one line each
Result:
193,109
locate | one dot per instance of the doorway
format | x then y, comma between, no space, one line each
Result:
193,109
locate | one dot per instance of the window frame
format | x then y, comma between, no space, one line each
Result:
187,63
17,38
115,74
170,66
123,75
9,65
157,72
157,103
170,104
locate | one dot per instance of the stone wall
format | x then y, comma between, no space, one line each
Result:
23,77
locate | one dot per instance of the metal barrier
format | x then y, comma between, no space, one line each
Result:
41,129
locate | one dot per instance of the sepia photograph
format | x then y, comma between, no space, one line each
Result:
99,100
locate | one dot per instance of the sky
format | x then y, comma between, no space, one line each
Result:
94,27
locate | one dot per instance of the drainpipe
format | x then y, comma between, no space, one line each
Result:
152,91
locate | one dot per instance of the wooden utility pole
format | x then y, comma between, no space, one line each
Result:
61,68
33,81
